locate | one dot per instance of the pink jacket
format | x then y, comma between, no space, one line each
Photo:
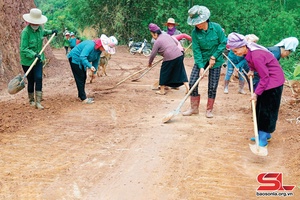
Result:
180,37
268,68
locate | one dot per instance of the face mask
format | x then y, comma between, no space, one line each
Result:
35,27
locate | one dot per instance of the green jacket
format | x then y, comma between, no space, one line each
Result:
66,42
31,44
208,43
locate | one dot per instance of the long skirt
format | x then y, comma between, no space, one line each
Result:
172,73
267,109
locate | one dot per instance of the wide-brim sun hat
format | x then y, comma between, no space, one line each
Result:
109,43
197,15
171,21
35,17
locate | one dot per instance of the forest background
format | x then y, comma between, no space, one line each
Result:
270,20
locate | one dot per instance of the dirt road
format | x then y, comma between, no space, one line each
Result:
118,148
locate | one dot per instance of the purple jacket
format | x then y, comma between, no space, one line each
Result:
268,68
166,46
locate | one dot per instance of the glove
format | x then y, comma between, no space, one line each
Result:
93,69
55,31
38,56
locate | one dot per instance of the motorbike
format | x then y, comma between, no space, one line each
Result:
139,47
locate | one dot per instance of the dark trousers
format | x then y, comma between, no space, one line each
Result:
80,79
267,109
35,77
213,81
67,49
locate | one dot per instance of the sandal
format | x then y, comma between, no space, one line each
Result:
159,92
155,88
88,101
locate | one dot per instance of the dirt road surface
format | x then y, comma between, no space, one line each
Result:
119,149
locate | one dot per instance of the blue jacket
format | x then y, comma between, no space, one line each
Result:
275,51
72,42
239,61
84,54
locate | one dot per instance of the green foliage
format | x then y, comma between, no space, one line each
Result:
297,71
270,20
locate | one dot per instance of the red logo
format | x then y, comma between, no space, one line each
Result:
272,182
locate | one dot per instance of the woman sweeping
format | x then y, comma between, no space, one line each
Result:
209,42
172,72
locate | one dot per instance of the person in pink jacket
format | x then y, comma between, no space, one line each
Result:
268,92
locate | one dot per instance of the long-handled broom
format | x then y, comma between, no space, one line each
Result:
143,74
169,116
131,75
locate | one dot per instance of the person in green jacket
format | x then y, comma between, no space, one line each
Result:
66,42
30,45
208,42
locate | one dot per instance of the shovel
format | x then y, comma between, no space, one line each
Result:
255,148
17,83
169,116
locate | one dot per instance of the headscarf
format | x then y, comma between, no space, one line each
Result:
251,38
98,43
153,27
290,43
236,40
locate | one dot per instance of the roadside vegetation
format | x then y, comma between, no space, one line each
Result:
270,20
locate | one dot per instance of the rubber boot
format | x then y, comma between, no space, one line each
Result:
241,87
38,99
31,99
262,138
269,137
226,87
195,101
209,108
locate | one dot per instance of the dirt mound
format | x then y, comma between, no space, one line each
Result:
11,25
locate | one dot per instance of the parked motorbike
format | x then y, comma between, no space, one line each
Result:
139,47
